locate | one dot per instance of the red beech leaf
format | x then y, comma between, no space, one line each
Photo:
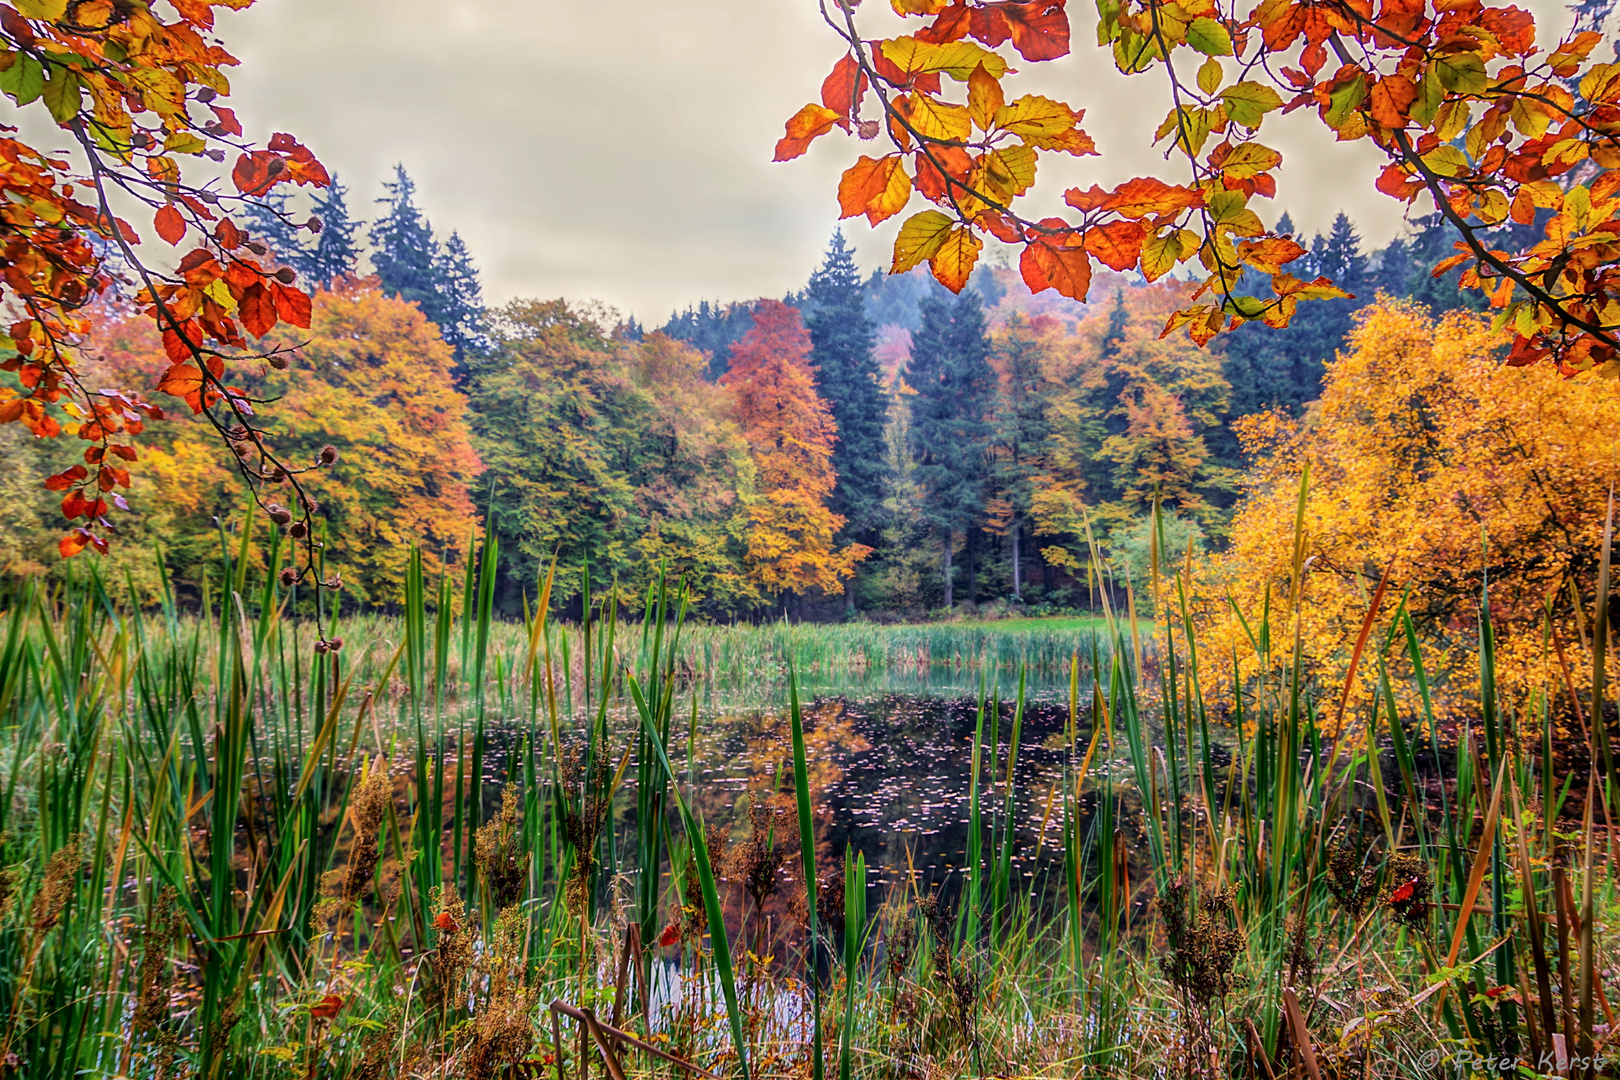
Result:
170,225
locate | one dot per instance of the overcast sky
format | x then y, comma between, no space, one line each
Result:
622,151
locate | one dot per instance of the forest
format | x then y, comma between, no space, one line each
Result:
1124,640
943,454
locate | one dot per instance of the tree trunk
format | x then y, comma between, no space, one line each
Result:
1017,578
973,577
947,569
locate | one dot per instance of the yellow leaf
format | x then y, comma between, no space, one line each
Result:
984,97
1250,159
1009,170
958,59
1035,117
42,9
934,119
919,238
952,263
1160,254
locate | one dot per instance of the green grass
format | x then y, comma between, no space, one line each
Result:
199,881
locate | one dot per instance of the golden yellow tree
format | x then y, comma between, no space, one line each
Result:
1427,456
790,431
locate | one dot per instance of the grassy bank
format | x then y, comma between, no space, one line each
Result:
230,853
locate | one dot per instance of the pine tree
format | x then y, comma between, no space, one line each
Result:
335,255
950,373
849,380
460,299
403,248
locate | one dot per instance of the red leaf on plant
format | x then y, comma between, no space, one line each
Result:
257,309
170,225
292,305
328,1007
671,934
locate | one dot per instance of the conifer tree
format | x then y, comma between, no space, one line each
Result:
403,248
953,382
335,255
460,298
850,381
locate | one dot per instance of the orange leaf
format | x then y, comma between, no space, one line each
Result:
876,187
73,543
170,225
184,381
952,263
1040,31
1392,96
804,126
328,1008
671,934
1269,255
1049,266
1118,244
1148,195
292,305
257,310
842,90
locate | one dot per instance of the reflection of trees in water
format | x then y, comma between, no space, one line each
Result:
890,776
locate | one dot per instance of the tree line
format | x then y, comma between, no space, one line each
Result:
868,445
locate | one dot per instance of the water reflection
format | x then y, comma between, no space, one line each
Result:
891,771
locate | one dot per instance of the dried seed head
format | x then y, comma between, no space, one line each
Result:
298,530
328,455
278,361
289,577
313,224
61,874
278,513
367,809
286,275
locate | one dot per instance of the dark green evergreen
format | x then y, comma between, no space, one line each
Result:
269,220
335,253
713,328
403,249
460,301
954,386
850,381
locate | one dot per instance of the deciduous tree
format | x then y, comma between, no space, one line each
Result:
1430,458
792,545
140,98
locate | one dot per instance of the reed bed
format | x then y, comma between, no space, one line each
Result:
226,851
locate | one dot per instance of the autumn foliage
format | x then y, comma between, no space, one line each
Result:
1431,461
790,432
373,389
1466,107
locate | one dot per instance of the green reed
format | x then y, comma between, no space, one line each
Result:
185,814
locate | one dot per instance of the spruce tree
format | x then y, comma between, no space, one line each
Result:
460,299
850,381
336,252
403,247
950,372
